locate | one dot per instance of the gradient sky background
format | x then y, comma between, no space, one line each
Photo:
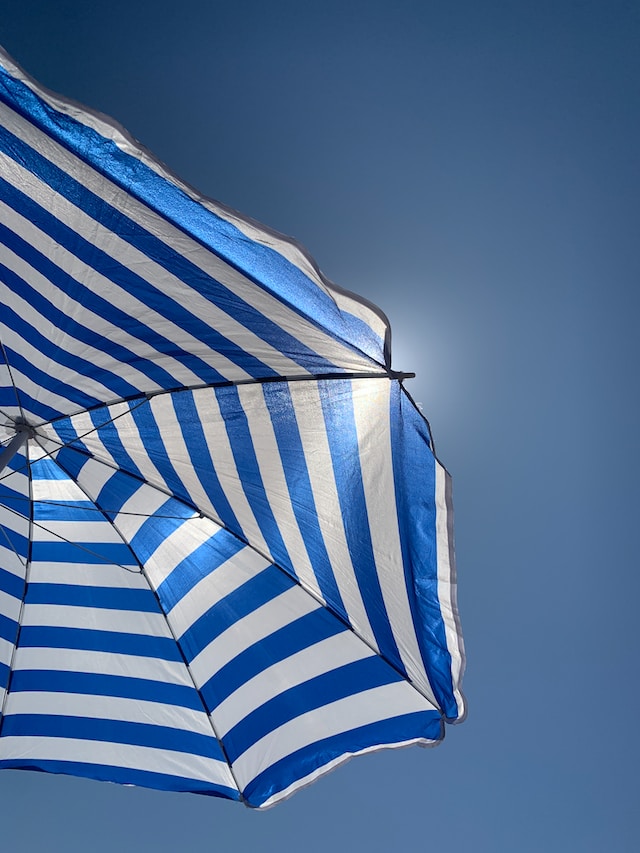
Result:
473,168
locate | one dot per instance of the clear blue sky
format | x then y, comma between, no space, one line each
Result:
472,167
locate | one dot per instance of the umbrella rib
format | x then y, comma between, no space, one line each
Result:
69,504
292,576
13,382
8,538
168,624
27,571
144,396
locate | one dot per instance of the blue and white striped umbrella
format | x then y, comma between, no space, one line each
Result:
226,562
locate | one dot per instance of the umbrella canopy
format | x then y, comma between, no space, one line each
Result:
226,558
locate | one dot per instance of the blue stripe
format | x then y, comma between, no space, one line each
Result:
111,731
79,511
139,645
265,586
11,584
8,628
294,463
49,469
297,635
263,265
122,775
108,598
339,417
329,687
7,397
91,684
97,553
415,488
298,765
196,443
4,678
237,427
198,564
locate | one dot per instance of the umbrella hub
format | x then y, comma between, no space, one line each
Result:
23,432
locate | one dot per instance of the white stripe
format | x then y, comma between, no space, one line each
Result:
108,708
56,490
14,520
329,654
265,620
224,464
447,585
6,651
374,443
76,531
10,606
370,706
87,574
103,663
117,755
18,477
220,583
96,619
8,559
313,435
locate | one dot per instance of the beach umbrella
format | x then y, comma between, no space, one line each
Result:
226,559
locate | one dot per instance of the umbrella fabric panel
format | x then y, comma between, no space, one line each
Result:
288,687
425,518
277,263
98,686
14,553
299,470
